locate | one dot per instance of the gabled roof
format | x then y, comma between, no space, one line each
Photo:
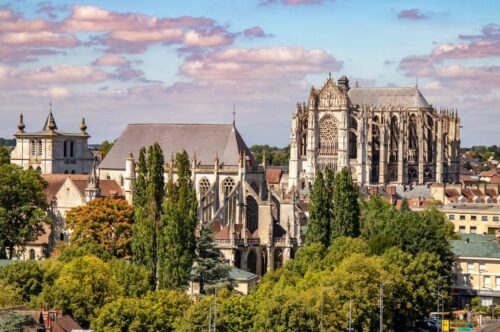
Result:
206,140
239,274
65,324
375,97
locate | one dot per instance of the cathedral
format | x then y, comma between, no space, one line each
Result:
382,135
256,221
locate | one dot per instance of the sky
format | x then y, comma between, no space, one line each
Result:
116,62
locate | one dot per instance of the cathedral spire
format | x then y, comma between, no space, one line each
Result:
21,125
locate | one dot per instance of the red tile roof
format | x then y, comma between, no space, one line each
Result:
489,173
273,175
65,324
43,239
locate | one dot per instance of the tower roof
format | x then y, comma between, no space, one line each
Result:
50,123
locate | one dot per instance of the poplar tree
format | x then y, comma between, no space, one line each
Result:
345,219
177,241
318,228
148,199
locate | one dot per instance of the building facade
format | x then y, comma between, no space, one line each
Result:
383,135
51,151
255,224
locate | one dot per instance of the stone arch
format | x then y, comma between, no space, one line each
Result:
278,258
203,186
252,214
252,262
328,135
227,186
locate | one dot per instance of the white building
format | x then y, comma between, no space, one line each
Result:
52,151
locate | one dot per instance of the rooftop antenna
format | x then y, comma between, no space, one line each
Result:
234,114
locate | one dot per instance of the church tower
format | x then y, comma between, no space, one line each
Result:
52,150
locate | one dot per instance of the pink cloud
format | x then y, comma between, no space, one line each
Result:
273,63
110,60
41,38
68,74
255,32
10,21
412,14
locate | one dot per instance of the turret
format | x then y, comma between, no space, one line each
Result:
343,83
129,180
92,191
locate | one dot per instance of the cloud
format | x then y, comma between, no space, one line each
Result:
255,32
50,10
110,60
413,14
41,38
272,63
69,74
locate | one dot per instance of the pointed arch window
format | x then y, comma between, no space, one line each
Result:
204,186
252,214
252,262
227,186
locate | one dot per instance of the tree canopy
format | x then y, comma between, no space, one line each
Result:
22,207
107,222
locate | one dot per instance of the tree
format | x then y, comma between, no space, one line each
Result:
177,241
67,252
148,209
158,311
134,278
105,148
107,222
209,270
4,155
22,207
83,287
26,276
345,221
15,321
318,225
10,295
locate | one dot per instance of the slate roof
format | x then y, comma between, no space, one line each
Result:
479,246
406,97
239,274
206,140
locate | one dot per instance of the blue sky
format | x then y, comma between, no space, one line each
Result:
118,62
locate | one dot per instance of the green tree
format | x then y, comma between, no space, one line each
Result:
158,311
148,209
67,252
209,269
134,278
177,241
85,285
107,222
22,207
4,155
10,295
345,220
15,321
318,225
26,276
105,148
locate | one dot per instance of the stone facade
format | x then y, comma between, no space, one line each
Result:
383,135
51,151
256,225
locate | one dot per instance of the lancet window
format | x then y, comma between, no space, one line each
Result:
204,186
394,140
375,149
227,186
353,139
252,214
252,262
413,140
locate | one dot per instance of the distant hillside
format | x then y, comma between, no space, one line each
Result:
7,141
